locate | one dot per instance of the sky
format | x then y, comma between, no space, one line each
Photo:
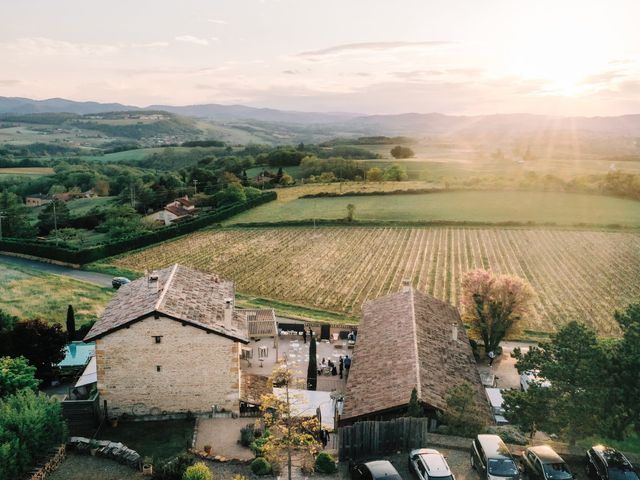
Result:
561,57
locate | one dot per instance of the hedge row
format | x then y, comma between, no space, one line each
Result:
91,254
411,191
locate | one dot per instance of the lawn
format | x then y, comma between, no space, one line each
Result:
469,206
157,439
28,293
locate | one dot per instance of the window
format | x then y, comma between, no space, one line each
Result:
158,338
158,368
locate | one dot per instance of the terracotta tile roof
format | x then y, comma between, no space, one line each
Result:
181,293
253,387
184,201
178,211
261,322
405,341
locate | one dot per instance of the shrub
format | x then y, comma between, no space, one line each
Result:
174,468
30,424
247,435
325,463
509,434
198,471
260,466
257,445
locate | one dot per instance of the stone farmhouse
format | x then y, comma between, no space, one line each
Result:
175,211
408,340
172,342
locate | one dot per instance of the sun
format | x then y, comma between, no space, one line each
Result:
561,59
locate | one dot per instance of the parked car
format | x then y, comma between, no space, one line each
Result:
605,463
117,282
429,464
527,378
375,470
492,459
494,396
543,463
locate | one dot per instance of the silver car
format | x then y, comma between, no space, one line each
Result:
429,464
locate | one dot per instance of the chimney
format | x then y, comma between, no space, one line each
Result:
454,332
228,312
406,285
153,281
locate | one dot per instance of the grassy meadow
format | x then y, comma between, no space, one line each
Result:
30,171
459,206
28,293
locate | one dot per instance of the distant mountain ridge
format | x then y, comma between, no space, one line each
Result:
400,124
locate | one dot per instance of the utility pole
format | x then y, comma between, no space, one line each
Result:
55,221
132,191
195,186
2,215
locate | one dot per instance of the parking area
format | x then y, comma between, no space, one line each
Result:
459,464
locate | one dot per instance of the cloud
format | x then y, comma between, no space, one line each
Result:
603,77
217,21
290,72
9,82
150,45
368,47
42,46
192,39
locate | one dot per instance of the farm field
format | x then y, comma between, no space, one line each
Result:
32,171
28,293
577,275
460,206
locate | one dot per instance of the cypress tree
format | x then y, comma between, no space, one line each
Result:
312,371
414,409
71,323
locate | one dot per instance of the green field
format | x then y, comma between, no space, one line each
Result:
78,207
28,293
470,206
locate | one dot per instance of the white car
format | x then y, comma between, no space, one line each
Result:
527,378
429,464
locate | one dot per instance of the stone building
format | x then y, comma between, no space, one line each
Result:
170,343
409,340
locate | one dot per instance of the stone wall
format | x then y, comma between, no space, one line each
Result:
190,370
54,460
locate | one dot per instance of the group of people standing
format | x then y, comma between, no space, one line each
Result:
344,363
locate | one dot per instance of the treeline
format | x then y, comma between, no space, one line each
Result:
619,184
140,130
37,149
374,140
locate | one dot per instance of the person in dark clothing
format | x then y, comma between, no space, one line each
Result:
304,335
347,365
341,365
310,333
334,370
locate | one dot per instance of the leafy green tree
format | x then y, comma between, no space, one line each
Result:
48,221
575,364
494,304
414,409
40,343
624,378
15,220
312,368
528,410
351,210
198,471
122,221
461,415
71,323
395,173
374,174
233,193
7,324
401,152
16,374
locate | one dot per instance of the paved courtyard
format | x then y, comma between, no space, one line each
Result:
223,435
295,353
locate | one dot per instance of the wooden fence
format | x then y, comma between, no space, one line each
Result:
363,439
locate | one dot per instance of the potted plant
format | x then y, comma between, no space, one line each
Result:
207,449
147,467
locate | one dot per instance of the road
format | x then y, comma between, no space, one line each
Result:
100,279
